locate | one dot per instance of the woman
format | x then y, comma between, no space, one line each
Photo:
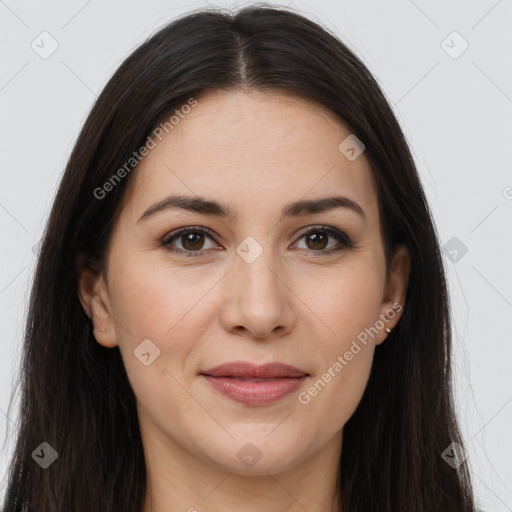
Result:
240,301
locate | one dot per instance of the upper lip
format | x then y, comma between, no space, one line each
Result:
251,371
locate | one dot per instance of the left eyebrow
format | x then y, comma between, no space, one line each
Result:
323,204
210,207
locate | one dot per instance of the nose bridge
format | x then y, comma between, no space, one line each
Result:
257,269
258,297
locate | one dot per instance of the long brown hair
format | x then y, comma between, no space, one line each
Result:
75,394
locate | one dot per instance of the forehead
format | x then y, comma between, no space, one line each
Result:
255,151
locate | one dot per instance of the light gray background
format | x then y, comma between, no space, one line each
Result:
456,113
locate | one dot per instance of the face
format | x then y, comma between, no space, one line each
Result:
263,283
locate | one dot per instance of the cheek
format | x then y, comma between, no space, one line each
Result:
335,391
348,304
347,301
164,324
162,311
154,299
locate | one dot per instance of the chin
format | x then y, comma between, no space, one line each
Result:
258,457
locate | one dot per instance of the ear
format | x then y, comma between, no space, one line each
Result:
393,300
93,295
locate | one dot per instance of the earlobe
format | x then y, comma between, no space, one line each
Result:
93,295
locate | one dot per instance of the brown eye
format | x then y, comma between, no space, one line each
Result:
318,239
192,241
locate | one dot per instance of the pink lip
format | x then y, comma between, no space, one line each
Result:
234,380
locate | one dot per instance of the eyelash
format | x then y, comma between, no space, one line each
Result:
341,237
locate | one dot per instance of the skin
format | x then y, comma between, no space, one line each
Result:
255,152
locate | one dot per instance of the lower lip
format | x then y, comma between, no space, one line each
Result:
255,393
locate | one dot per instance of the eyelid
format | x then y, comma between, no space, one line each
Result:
343,239
175,234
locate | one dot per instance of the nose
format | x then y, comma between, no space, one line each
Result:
258,302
